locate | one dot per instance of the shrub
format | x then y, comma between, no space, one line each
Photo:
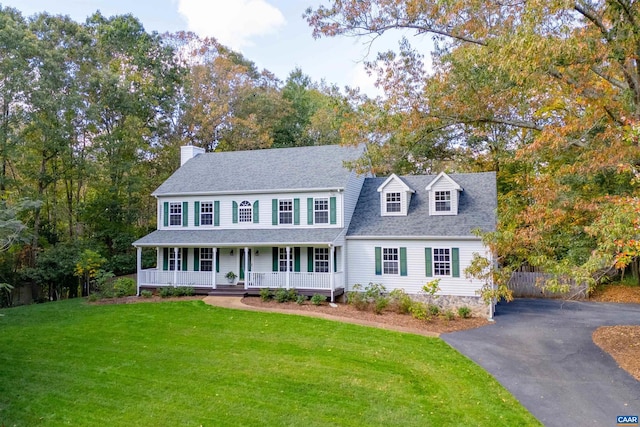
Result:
433,309
282,295
357,298
146,293
318,299
93,297
188,291
265,294
380,304
124,287
165,291
449,315
400,301
374,295
419,311
300,299
464,312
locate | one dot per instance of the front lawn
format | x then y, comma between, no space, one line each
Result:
186,363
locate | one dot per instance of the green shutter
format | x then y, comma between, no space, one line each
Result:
455,262
403,261
428,262
165,259
296,211
185,214
335,260
216,213
310,211
166,214
196,259
185,253
235,212
332,210
296,259
196,214
310,260
274,213
218,261
378,261
274,259
256,212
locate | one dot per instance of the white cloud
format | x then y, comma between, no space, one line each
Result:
232,22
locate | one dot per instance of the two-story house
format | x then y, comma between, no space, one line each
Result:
299,218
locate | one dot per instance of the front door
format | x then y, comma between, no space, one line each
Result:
242,263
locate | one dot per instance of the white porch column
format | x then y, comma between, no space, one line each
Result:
246,267
138,269
214,267
175,266
288,269
332,278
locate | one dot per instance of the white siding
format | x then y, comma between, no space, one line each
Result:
351,194
443,185
361,265
265,207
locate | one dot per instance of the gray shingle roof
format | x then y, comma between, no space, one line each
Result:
262,170
267,237
477,209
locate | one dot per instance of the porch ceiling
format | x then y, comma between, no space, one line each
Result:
252,237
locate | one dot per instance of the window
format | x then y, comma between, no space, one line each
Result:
206,213
175,213
172,259
393,202
390,260
282,260
321,211
321,260
206,259
442,262
443,201
245,212
285,211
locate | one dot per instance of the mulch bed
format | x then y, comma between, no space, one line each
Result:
436,324
621,342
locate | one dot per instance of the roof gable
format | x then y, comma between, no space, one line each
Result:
440,176
395,178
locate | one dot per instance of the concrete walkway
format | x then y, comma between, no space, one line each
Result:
236,303
543,353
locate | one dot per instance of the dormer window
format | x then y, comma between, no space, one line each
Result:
443,201
395,196
444,195
393,202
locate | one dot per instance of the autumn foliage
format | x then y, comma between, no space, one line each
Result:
545,92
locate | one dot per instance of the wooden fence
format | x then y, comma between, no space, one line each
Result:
526,284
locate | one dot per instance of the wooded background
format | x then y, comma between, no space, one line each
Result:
546,93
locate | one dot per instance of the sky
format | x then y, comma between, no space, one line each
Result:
271,33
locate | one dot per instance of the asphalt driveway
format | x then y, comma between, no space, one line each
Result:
542,352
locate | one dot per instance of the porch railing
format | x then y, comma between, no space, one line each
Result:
180,278
297,280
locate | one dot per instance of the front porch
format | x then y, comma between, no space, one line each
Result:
206,270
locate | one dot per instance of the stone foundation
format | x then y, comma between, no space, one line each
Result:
453,302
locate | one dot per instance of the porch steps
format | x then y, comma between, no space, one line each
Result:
229,291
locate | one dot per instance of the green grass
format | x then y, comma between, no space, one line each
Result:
189,364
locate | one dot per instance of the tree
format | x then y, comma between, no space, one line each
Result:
552,91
